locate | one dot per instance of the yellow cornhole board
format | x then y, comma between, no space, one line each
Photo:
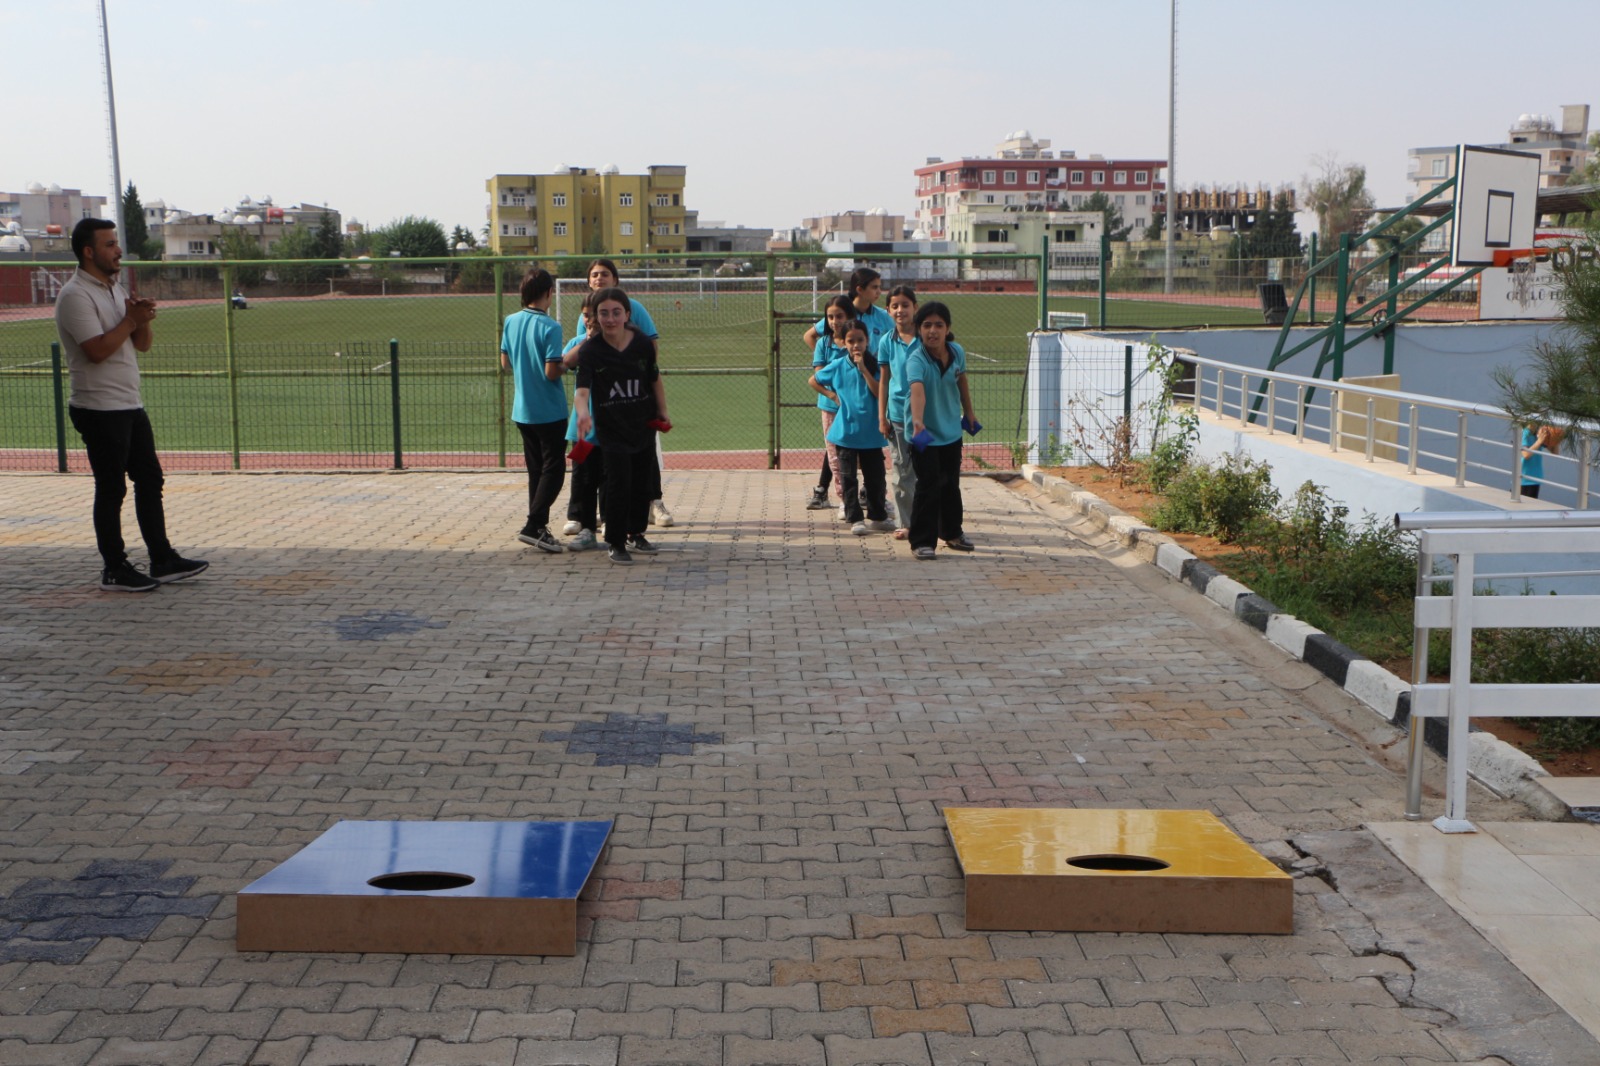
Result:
1071,870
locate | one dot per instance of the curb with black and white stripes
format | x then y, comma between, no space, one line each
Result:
1495,764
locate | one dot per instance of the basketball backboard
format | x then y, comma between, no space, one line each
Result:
1496,203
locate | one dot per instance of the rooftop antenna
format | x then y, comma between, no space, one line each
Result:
111,121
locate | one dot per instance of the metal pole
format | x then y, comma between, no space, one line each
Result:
1372,426
1416,737
1311,285
1105,254
111,119
1300,414
1411,462
1516,462
1044,281
1172,140
61,408
232,356
1585,456
1272,406
774,453
1461,449
1342,295
499,375
1394,305
394,398
1127,388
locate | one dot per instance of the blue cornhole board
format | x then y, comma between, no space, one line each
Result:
461,888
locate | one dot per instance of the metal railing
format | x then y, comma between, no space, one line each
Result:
1430,433
1464,537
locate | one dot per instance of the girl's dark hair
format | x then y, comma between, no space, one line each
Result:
855,324
860,278
903,290
611,292
609,265
536,283
933,309
843,303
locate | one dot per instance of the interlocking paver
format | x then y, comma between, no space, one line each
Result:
775,749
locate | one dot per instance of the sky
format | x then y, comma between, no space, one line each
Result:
387,108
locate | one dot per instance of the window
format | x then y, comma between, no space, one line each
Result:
1066,236
1141,177
1099,178
518,200
988,197
988,177
625,199
1139,200
662,199
674,199
1077,177
1140,223
519,231
998,236
1077,199
1120,178
627,227
505,229
661,229
675,228
558,200
1033,177
197,247
1438,168
561,229
1120,199
1011,177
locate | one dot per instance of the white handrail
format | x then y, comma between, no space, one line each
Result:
1465,536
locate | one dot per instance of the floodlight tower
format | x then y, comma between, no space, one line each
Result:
111,121
1172,137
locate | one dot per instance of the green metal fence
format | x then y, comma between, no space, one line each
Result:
355,363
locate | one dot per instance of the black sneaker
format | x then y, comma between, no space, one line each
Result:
125,577
177,568
542,539
960,544
619,555
818,500
637,542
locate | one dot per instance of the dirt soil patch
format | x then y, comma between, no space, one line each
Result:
1135,499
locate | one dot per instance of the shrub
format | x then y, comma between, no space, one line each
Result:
1543,657
1218,500
1311,541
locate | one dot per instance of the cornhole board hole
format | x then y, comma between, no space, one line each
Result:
1069,870
460,888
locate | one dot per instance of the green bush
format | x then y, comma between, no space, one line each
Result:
1217,500
1543,657
1312,543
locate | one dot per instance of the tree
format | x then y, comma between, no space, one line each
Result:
1157,228
462,235
329,243
1397,233
410,238
1114,228
237,243
299,242
1274,235
1562,382
135,231
1338,194
1589,173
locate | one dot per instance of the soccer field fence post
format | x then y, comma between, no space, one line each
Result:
60,408
1105,258
772,359
394,399
500,379
230,353
1044,280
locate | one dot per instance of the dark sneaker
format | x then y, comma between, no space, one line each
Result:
542,539
818,500
619,556
127,578
925,553
637,542
960,544
177,568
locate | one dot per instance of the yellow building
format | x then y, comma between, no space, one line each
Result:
578,211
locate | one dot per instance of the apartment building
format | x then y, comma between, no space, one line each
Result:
576,210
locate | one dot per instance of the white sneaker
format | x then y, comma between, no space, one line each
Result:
842,518
571,528
583,541
859,529
886,526
659,515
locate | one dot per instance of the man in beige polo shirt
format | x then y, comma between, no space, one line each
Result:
102,330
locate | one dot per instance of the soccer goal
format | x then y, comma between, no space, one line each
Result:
685,291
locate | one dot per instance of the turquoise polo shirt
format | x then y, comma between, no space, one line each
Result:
530,339
878,322
893,352
941,410
572,420
824,353
856,425
641,320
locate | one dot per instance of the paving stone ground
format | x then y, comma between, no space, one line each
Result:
774,713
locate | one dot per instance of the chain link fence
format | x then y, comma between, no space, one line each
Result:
261,364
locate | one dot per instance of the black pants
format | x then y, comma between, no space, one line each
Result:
870,463
543,451
122,448
1531,491
936,508
627,493
588,481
